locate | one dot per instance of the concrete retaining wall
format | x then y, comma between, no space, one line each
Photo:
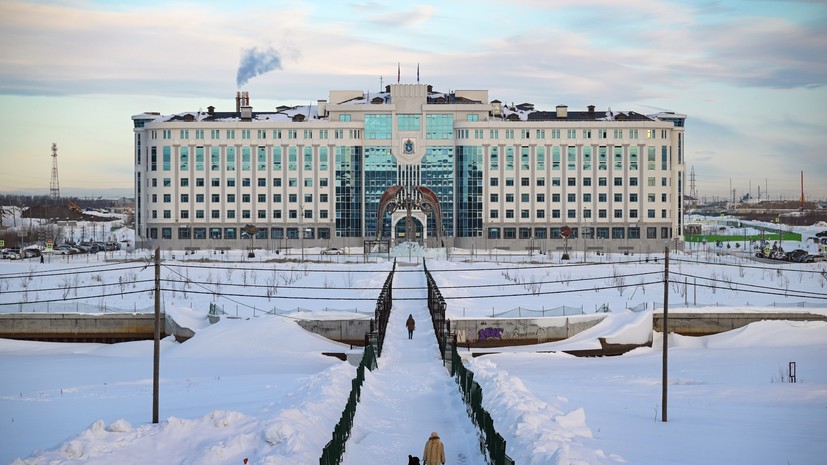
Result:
473,333
704,324
344,331
77,327
520,331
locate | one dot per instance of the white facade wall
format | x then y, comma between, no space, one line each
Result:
641,195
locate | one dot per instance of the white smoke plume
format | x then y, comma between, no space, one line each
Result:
255,62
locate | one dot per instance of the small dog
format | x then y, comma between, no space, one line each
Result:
413,460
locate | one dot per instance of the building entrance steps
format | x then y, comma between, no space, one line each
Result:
411,394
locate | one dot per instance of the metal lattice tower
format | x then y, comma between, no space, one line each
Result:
692,192
54,186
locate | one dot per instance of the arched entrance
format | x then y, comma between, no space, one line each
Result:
401,229
409,206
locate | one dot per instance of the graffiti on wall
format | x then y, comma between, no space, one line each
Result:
490,333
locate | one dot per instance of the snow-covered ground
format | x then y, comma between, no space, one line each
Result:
257,386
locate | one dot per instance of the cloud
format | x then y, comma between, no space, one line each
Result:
255,62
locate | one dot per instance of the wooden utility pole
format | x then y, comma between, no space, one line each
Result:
156,365
665,332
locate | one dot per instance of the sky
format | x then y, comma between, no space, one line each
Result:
749,75
258,386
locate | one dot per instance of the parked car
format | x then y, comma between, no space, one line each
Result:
10,254
795,255
31,252
332,251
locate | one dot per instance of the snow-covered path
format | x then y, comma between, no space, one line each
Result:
410,394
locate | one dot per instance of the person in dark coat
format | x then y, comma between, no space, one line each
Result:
413,460
411,325
434,451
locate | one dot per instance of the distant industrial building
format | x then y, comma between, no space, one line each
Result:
468,172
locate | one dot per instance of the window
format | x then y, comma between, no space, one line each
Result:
571,182
587,182
494,182
618,181
493,214
571,213
494,198
602,182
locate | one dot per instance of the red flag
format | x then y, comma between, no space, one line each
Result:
398,72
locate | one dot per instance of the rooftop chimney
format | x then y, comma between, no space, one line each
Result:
211,110
562,111
591,109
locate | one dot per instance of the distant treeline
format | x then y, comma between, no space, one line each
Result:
82,202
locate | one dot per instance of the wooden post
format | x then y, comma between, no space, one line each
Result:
156,365
665,380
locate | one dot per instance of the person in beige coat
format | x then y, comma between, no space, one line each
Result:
434,451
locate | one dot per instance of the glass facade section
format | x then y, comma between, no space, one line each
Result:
348,191
439,126
276,158
378,127
438,175
230,158
406,122
215,159
184,156
245,158
469,191
380,174
199,159
167,156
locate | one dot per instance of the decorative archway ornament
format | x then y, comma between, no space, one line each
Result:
410,198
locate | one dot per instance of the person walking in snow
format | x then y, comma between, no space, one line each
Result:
434,451
411,325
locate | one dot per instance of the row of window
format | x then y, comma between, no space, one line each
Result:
378,126
245,198
540,181
200,233
230,214
260,134
245,182
571,213
587,197
585,133
631,232
238,233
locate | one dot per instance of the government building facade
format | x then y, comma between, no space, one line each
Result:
446,169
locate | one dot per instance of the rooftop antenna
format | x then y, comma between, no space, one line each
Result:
381,84
54,185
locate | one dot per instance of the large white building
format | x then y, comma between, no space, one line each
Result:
340,172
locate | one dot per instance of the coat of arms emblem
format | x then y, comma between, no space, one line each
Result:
408,147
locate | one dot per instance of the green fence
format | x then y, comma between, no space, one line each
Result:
492,443
335,449
768,236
